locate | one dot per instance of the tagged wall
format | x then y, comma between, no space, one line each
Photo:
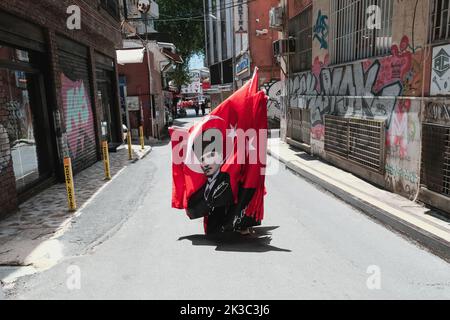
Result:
5,151
369,89
403,139
79,122
274,90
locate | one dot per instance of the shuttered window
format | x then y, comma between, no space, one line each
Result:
77,104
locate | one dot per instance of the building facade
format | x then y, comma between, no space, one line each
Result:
58,91
147,58
367,89
142,71
238,39
219,44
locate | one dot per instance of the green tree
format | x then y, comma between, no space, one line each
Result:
183,21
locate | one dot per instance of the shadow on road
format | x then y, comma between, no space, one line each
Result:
259,241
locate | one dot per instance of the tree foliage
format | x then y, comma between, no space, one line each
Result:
183,21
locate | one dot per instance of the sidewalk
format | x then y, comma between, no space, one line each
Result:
26,236
409,218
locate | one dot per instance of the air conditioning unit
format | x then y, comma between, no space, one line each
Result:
284,47
276,18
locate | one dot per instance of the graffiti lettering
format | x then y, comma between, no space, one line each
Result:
402,173
437,111
78,115
344,91
321,30
274,91
5,152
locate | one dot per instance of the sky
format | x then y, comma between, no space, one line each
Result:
196,62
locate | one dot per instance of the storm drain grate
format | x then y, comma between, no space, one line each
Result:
358,140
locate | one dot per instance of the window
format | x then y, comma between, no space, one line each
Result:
24,116
300,27
440,20
352,36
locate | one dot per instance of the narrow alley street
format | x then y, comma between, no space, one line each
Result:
315,247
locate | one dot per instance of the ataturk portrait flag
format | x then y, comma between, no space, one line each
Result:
218,164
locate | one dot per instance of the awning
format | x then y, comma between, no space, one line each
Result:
173,56
130,56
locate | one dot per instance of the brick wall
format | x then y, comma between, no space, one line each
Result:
8,196
261,45
98,29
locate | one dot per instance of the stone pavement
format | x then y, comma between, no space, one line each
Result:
45,216
411,219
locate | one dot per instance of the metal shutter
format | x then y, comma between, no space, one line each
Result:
78,104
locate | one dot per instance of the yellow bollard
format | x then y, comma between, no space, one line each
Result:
106,160
141,132
130,150
69,184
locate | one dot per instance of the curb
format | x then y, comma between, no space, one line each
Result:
423,238
146,153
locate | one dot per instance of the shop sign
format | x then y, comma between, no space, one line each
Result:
243,65
133,103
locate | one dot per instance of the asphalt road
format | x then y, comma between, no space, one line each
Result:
311,246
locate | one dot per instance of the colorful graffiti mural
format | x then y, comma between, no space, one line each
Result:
345,91
5,152
367,89
77,115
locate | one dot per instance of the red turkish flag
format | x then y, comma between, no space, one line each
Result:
218,164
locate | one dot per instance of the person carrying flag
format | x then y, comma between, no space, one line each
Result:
213,177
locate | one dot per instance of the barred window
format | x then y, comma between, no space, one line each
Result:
440,18
360,29
300,27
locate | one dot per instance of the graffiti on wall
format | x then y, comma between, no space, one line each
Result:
437,112
77,114
401,131
440,71
401,180
367,89
320,30
5,152
274,90
345,91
